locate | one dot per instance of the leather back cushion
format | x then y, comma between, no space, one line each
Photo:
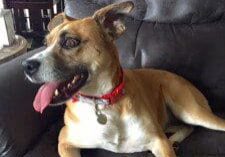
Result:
166,11
183,36
196,52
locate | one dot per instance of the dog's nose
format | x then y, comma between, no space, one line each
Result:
31,66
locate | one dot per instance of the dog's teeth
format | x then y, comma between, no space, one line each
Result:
68,85
74,79
56,92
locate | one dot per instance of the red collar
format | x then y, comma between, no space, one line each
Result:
109,98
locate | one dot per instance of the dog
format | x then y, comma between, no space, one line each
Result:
108,107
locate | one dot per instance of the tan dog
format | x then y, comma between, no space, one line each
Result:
81,56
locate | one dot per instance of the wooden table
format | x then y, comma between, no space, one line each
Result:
18,47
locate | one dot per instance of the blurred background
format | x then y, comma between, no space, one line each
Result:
31,18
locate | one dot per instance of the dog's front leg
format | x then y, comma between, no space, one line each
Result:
65,147
67,150
161,147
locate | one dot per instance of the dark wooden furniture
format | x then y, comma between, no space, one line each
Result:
32,16
18,47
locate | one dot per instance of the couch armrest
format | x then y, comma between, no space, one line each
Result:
20,125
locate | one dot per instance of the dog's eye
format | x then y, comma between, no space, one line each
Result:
70,42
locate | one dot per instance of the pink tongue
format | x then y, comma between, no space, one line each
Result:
44,96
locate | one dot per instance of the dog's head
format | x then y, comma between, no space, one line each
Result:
77,52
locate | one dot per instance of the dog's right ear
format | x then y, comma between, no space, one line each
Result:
57,20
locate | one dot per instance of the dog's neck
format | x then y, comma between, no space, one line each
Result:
104,83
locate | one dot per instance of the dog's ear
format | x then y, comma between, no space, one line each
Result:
111,18
57,20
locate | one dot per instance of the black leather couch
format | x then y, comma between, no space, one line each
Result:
183,36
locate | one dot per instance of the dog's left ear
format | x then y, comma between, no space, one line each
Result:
111,18
57,20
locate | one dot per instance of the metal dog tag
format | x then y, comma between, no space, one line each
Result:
101,118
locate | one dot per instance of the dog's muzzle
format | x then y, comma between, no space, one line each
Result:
56,87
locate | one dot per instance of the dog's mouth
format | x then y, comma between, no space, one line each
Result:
56,93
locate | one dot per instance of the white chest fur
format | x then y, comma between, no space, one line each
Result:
118,134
